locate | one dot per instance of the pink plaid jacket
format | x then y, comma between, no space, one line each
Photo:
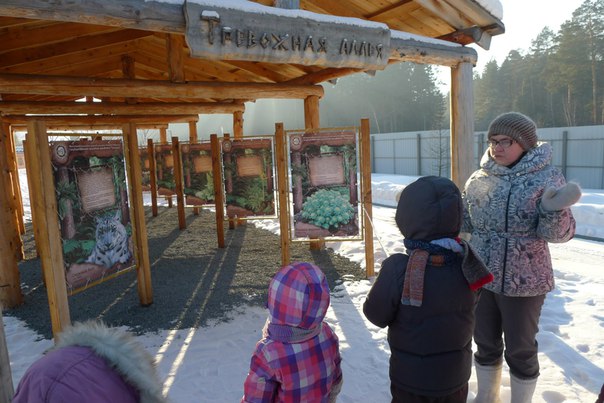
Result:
298,360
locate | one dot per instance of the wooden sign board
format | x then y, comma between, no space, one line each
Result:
143,153
323,170
94,215
248,177
164,165
197,173
268,34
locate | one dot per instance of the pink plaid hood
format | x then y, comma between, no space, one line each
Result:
298,296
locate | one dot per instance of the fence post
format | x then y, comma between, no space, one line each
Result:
418,143
564,152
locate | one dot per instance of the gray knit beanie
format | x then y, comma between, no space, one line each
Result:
516,126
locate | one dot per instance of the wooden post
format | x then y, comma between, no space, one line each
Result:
163,135
152,176
48,234
10,182
311,112
193,138
179,183
282,191
10,284
16,183
218,195
238,125
366,202
6,379
139,228
462,124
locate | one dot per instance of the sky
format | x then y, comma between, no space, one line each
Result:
523,20
209,364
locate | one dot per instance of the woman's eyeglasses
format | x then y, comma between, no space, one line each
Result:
505,143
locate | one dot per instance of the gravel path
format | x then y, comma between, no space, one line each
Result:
193,280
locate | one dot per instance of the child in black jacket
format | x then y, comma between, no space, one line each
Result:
427,296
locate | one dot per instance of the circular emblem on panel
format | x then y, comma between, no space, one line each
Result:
227,145
295,142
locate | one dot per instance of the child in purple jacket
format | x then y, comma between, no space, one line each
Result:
298,357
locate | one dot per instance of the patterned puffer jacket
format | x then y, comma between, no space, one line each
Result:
509,229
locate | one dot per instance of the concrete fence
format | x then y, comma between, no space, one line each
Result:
578,152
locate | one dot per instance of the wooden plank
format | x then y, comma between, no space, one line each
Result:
113,87
268,34
11,174
16,181
48,234
179,183
193,132
137,214
115,108
366,196
462,124
283,191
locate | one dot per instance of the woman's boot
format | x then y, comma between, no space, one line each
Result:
489,383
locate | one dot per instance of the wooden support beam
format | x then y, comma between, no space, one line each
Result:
11,177
48,234
366,200
10,285
462,124
193,137
120,87
98,119
218,189
116,108
238,125
152,176
179,187
311,113
282,190
176,66
139,229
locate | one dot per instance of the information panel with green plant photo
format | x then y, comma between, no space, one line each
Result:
94,217
248,177
197,172
323,169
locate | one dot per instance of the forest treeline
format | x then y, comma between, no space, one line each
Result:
558,81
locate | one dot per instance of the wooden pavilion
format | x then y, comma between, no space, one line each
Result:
152,63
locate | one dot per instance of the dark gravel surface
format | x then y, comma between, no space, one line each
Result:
193,280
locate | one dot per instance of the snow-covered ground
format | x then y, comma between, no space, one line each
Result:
209,364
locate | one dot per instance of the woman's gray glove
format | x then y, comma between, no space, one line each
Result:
558,199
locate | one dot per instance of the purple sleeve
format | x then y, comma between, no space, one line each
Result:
260,384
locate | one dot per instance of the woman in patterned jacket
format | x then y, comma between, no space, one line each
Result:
298,358
515,203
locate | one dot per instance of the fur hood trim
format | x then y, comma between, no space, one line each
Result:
121,350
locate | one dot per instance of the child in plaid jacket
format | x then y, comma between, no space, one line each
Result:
298,358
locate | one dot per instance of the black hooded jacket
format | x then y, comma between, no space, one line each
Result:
431,345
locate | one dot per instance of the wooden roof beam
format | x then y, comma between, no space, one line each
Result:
114,108
20,128
115,87
101,120
412,48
